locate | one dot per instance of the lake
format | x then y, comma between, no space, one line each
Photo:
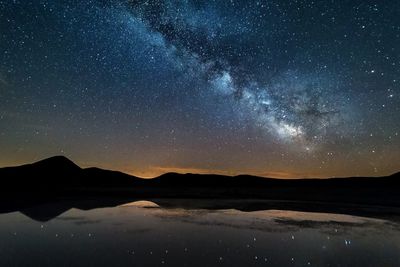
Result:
143,233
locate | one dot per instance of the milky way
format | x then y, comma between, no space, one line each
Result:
292,105
274,88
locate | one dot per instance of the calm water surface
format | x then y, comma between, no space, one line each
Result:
143,234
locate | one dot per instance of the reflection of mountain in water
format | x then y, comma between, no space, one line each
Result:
48,209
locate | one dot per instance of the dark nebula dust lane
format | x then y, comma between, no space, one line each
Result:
272,88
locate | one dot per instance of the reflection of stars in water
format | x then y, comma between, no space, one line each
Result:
302,248
162,254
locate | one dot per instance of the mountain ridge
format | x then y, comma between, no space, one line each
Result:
60,176
63,163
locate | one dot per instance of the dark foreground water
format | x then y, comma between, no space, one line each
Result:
143,234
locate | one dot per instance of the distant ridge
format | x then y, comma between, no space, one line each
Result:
60,176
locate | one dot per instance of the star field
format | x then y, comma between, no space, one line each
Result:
272,88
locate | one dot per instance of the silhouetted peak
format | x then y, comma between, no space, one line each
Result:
57,162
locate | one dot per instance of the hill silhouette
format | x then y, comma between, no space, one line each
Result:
58,176
60,173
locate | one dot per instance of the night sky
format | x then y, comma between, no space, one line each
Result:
271,88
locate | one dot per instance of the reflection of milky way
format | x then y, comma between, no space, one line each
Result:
286,88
